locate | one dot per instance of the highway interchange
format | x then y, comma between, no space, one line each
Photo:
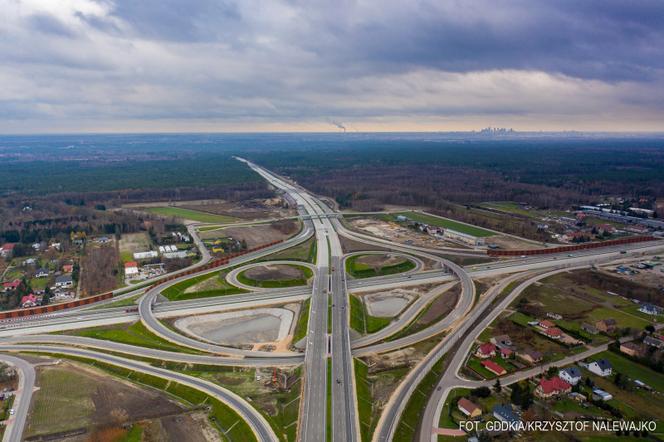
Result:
329,351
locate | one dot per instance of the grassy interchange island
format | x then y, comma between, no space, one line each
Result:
370,265
276,276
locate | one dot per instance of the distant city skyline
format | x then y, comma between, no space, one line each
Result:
280,66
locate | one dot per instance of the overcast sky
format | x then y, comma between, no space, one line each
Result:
253,65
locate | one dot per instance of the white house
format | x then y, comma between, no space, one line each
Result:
146,255
571,375
650,309
600,367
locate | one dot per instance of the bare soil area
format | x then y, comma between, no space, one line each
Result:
257,235
441,306
379,261
248,210
74,396
277,272
511,243
397,233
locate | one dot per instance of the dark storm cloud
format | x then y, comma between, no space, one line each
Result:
284,60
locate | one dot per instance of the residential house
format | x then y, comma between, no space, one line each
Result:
493,367
502,341
650,309
606,325
552,387
469,408
631,349
68,268
41,273
505,413
64,281
571,375
601,395
29,301
555,316
7,250
546,324
131,268
653,342
146,255
600,367
506,353
589,328
12,285
529,355
486,350
553,333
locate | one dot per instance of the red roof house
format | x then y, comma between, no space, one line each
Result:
506,352
486,350
494,368
468,408
553,332
552,387
68,268
29,301
546,324
11,285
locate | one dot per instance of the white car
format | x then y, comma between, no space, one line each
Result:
11,412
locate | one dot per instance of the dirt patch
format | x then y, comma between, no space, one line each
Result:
74,396
379,261
511,243
441,306
249,209
278,272
400,234
350,246
257,235
178,428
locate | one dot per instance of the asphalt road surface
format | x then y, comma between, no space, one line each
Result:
16,423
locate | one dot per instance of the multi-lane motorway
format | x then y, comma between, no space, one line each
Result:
328,357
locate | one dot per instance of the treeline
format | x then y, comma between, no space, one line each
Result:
553,173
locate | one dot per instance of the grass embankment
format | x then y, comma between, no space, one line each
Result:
302,322
446,224
178,292
410,419
193,215
305,252
364,401
277,283
359,270
230,425
133,334
280,407
361,321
